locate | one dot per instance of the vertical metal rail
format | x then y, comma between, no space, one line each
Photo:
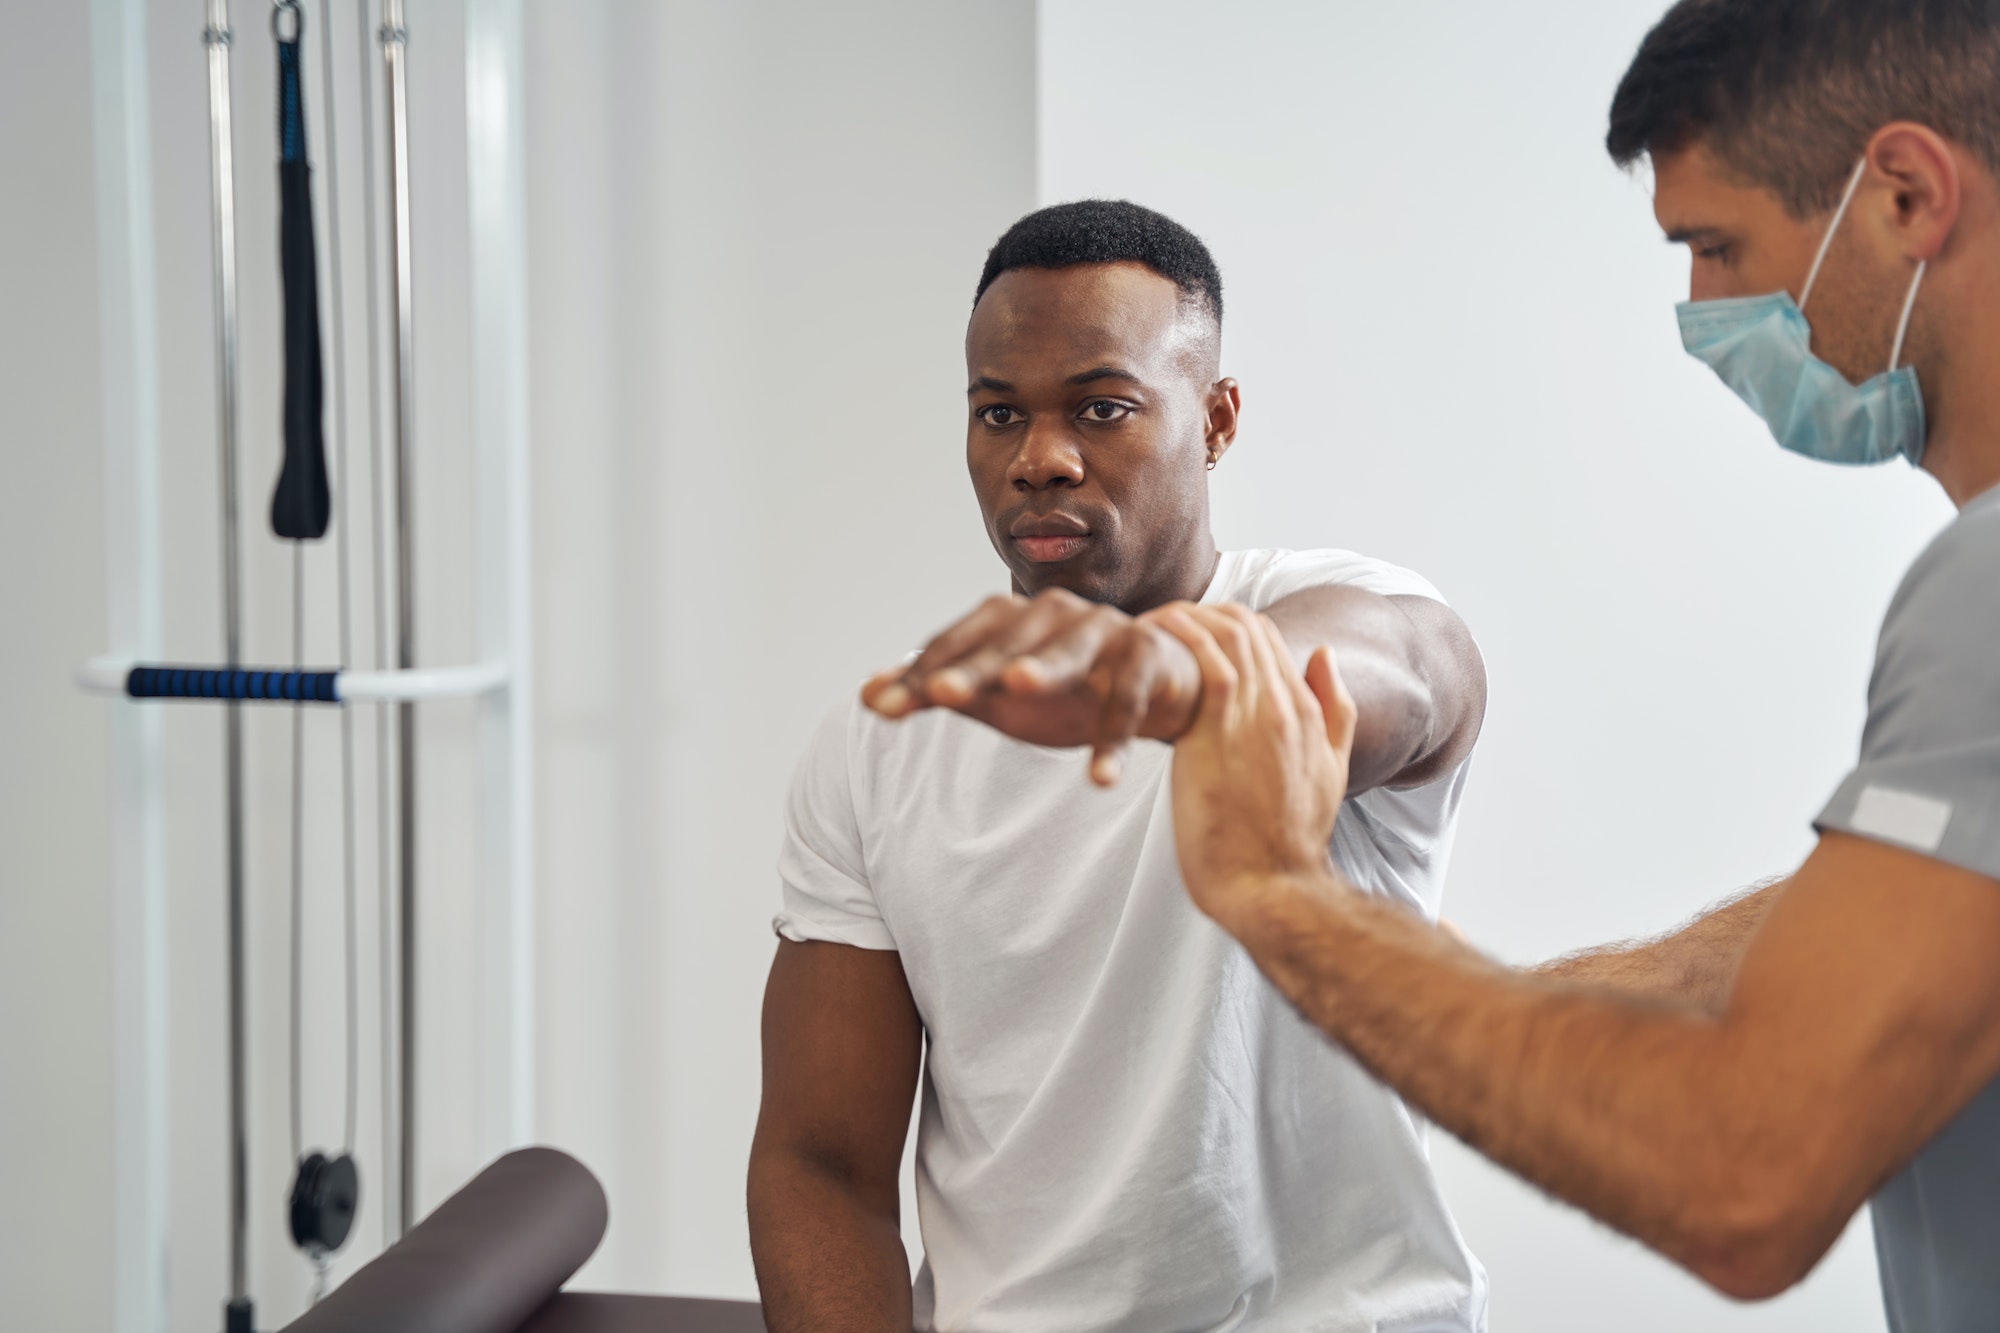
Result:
385,878
141,1170
394,51
496,195
222,172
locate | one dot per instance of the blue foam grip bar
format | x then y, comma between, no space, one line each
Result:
174,682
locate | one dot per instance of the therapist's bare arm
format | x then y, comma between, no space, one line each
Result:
1057,670
1864,1015
1695,964
842,1047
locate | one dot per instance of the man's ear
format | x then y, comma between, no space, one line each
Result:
1225,404
1924,172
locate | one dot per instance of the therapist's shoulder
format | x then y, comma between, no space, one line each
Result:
1257,578
1960,558
1948,605
1934,685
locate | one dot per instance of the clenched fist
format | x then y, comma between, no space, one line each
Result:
1056,670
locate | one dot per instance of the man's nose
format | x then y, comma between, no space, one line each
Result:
1047,459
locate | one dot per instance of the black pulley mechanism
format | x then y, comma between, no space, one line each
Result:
324,1196
302,503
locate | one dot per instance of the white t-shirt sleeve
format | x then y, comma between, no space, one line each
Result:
1266,577
822,870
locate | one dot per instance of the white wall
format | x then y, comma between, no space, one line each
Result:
754,235
55,975
1452,321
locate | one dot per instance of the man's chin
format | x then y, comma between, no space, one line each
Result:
1070,575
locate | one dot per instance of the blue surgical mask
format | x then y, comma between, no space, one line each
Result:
1761,346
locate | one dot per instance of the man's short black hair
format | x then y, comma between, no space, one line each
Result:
1108,231
1786,93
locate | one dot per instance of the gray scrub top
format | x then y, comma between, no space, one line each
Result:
1929,780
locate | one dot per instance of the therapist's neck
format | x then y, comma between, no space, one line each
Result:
1962,387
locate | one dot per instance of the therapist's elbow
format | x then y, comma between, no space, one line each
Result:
1762,1234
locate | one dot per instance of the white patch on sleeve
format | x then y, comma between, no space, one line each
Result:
1901,816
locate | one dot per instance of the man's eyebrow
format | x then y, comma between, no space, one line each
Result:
1105,373
1685,235
988,382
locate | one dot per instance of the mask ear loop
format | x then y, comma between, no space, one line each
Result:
1826,241
1903,324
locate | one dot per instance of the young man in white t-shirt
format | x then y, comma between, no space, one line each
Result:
1124,1126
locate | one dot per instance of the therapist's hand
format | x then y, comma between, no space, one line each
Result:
1259,778
1056,670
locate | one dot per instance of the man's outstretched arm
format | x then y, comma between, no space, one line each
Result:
842,1050
1057,670
1865,1014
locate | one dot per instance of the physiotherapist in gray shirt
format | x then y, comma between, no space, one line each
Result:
1732,1093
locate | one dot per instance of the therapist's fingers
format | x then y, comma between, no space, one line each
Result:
1336,703
1219,677
1234,634
1304,703
1274,670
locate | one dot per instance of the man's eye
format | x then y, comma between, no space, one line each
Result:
1715,254
998,415
1103,409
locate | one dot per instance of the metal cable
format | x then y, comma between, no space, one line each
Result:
298,851
222,179
365,32
350,947
395,68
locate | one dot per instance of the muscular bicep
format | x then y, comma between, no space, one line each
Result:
1417,677
1869,1003
843,1045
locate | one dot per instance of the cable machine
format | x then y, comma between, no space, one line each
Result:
307,500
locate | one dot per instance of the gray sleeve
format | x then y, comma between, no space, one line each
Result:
1929,775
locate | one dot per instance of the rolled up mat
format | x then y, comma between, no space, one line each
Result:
485,1261
595,1312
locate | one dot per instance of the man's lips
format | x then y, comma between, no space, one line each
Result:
1049,538
1049,550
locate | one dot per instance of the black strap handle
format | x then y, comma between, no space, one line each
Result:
302,504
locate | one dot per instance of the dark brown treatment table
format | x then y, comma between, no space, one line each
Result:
492,1259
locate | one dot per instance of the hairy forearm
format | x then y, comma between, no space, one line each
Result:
1693,965
828,1259
1644,1114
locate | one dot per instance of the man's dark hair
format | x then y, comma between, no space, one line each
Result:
1786,93
1108,231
